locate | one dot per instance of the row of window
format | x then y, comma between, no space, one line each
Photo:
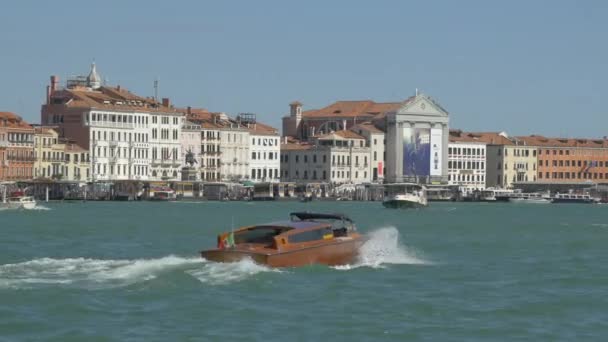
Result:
574,163
518,152
120,136
264,173
573,175
21,137
516,166
265,141
341,159
264,155
466,178
119,118
469,165
467,151
139,170
583,152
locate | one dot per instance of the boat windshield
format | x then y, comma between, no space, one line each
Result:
260,234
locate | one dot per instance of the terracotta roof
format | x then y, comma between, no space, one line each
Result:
12,120
340,134
263,129
541,141
109,98
296,147
366,108
367,126
491,138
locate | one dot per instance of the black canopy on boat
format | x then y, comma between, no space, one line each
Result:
311,216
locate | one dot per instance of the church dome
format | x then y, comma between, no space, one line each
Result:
93,80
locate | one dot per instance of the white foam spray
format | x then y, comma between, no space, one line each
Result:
382,248
218,273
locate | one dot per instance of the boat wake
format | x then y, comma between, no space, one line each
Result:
102,274
217,273
383,248
88,273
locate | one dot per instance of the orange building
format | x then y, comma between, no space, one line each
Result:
16,149
562,160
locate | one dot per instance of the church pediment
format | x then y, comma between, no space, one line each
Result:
422,105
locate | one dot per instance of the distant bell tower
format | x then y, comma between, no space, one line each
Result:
295,112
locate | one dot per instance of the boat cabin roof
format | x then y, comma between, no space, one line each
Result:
305,220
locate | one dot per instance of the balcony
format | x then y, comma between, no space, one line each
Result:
3,143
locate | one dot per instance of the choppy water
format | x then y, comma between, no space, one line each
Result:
450,272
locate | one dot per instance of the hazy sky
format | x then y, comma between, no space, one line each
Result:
521,66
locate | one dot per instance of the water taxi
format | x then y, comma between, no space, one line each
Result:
18,200
305,239
404,195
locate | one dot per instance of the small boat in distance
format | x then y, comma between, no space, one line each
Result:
305,239
18,200
574,198
163,194
531,197
404,195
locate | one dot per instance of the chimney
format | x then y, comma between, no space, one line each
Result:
118,87
48,94
54,82
189,110
166,102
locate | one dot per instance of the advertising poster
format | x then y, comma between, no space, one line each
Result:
436,138
416,151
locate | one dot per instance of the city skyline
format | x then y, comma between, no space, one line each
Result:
495,66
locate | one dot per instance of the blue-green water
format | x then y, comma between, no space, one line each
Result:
451,272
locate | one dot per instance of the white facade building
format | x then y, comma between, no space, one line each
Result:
190,142
234,153
128,137
467,165
376,141
339,157
264,163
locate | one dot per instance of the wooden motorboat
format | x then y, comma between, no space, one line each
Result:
305,239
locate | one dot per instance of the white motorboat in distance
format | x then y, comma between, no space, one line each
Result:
18,200
532,197
404,195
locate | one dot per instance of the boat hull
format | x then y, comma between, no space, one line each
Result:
340,252
401,204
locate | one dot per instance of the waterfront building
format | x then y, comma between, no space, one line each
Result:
191,143
466,161
209,162
338,116
77,163
568,160
234,148
417,141
17,148
337,157
129,137
376,141
49,153
509,160
265,148
3,147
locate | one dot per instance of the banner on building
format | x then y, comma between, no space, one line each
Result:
416,151
380,169
436,140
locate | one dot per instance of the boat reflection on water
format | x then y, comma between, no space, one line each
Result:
305,239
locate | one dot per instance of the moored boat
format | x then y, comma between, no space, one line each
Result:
574,198
307,238
532,197
404,195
